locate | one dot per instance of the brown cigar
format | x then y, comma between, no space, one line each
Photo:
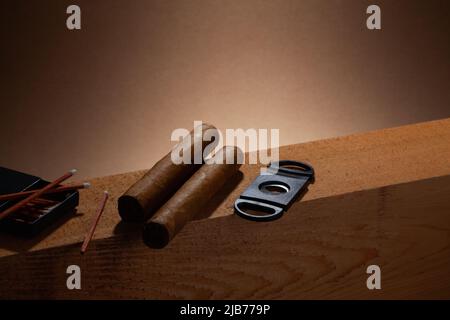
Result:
147,195
190,199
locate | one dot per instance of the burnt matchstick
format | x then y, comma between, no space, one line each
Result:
36,194
89,235
24,194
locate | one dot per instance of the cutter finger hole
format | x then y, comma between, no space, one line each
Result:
274,187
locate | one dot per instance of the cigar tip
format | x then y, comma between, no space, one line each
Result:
155,235
73,171
130,209
86,185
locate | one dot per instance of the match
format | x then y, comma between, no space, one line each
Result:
36,194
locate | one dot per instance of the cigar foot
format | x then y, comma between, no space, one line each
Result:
155,235
130,209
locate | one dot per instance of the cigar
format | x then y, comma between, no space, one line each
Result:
147,195
190,199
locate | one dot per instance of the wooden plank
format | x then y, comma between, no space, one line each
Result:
319,249
344,164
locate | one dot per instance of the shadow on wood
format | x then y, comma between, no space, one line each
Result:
319,249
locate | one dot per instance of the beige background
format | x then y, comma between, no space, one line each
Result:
105,99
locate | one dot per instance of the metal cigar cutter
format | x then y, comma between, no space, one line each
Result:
272,192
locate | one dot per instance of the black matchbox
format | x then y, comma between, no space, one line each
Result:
35,218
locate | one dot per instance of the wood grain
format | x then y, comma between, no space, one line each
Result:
319,249
342,165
